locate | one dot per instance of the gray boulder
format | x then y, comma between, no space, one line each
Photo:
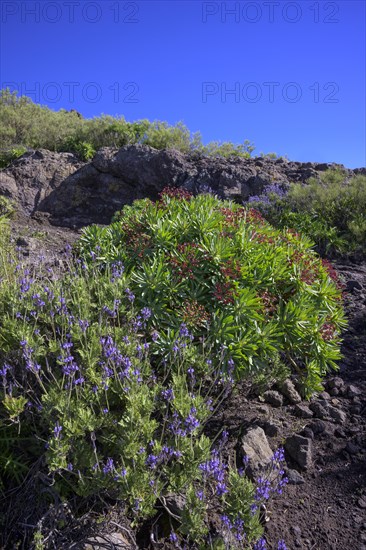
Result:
255,447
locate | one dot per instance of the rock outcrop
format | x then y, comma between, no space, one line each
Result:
32,177
74,193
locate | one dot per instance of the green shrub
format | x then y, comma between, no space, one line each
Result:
36,126
331,211
7,157
252,293
82,149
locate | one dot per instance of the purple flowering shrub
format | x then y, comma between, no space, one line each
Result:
112,406
260,294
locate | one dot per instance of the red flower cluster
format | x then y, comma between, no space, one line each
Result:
270,302
264,239
175,192
136,240
254,216
308,272
224,293
193,313
232,217
190,258
327,331
333,274
231,270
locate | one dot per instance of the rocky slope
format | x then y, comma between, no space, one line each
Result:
72,193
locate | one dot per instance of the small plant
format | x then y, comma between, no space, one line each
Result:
8,156
84,150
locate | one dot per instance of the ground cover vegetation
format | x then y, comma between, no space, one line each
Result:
111,371
330,210
24,124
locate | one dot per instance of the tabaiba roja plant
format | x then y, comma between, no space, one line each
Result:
255,295
109,402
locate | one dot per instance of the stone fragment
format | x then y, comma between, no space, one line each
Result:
294,477
255,447
300,450
273,398
307,432
108,540
324,395
288,389
317,426
303,411
353,285
353,391
335,382
318,409
362,502
351,448
337,414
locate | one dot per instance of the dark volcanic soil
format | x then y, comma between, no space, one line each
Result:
326,508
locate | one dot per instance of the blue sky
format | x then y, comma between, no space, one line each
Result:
288,76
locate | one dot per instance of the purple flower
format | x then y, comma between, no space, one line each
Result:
200,495
117,271
224,436
168,394
281,545
108,311
27,351
151,461
183,331
214,468
83,325
278,455
263,489
226,521
246,460
191,422
69,367
136,323
57,430
146,313
221,489
109,466
70,467
260,544
173,537
68,250
4,370
130,295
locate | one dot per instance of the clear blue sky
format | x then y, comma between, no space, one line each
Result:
296,70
